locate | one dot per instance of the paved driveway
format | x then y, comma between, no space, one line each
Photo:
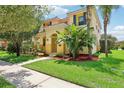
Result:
26,78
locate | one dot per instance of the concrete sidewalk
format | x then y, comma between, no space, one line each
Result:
26,78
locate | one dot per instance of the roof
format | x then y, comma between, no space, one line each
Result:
52,18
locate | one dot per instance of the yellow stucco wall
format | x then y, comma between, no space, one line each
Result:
60,48
50,31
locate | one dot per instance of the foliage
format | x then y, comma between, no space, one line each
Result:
122,47
5,56
17,23
27,46
5,84
11,48
106,11
102,46
21,18
111,39
114,39
119,44
75,39
97,53
105,73
2,48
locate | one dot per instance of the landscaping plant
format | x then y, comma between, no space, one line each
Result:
75,38
106,11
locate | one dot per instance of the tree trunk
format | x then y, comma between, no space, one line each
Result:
105,36
88,29
17,49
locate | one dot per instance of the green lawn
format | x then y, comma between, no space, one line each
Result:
108,72
5,84
12,58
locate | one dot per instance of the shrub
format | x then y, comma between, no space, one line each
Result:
11,48
2,48
122,48
102,45
76,38
26,48
97,53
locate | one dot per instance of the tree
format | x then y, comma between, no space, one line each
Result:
111,38
75,39
88,22
120,44
106,11
22,36
18,21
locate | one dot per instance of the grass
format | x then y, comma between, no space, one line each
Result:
12,58
5,84
105,73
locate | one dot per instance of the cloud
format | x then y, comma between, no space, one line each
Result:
117,31
58,11
119,28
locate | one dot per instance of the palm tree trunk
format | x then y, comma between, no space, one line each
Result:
105,36
88,29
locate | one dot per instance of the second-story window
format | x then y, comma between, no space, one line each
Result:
74,19
82,20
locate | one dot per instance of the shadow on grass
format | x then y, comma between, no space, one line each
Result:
108,65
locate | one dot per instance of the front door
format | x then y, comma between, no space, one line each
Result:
54,43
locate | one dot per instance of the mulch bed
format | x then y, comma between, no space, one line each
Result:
81,57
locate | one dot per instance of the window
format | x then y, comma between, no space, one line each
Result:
82,20
74,19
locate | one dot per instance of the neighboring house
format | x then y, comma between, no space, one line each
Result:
47,36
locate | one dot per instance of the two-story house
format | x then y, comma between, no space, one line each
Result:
47,36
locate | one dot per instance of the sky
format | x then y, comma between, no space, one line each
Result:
115,27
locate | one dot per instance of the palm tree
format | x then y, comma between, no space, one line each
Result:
88,21
106,11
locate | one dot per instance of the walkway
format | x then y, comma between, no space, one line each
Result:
26,78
